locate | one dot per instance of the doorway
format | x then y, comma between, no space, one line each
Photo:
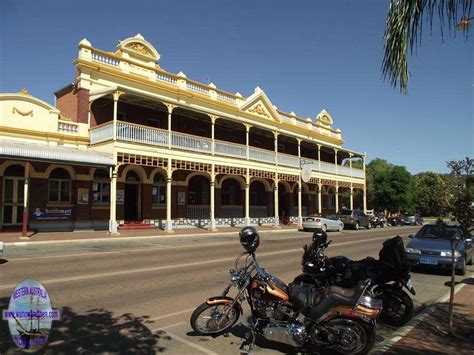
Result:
13,196
132,197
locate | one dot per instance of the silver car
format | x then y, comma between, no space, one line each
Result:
322,221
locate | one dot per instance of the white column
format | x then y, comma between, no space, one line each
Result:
319,158
170,111
247,139
213,199
247,201
352,198
275,204
320,205
169,178
350,165
365,200
213,124
25,200
337,198
113,227
116,97
276,147
300,209
335,162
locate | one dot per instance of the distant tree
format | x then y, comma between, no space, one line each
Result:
403,32
359,164
431,194
389,187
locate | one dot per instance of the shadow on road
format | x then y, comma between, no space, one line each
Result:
96,331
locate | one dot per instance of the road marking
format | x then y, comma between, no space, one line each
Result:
172,314
191,344
169,326
427,285
176,266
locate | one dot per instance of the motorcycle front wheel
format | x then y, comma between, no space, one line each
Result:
352,336
397,306
210,319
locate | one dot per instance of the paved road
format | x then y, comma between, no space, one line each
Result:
138,295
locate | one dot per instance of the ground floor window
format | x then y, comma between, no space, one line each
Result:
158,190
59,186
101,187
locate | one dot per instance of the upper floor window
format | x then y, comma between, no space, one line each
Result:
101,187
59,186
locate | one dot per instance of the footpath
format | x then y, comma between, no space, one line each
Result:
427,332
84,236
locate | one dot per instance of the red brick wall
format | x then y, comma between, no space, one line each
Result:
67,104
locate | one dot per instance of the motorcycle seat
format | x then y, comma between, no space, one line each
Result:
336,296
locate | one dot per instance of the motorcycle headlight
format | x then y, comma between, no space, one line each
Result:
413,251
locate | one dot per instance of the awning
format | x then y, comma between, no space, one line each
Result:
38,152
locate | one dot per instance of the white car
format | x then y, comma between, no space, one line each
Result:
1,248
322,221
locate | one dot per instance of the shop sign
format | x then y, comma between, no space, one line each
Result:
51,214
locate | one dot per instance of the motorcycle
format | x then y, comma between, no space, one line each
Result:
378,222
389,276
297,315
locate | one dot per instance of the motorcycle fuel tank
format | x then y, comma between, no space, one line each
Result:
339,263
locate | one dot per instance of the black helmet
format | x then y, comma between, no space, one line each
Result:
320,237
249,239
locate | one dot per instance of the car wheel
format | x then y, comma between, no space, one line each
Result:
470,261
341,228
462,270
325,228
356,226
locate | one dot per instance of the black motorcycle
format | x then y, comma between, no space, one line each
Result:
378,221
299,314
389,275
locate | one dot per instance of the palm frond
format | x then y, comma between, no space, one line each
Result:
404,28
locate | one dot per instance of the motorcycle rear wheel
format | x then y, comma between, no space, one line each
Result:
398,307
354,335
206,319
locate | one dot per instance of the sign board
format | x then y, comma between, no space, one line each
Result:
82,196
306,173
51,214
181,198
120,197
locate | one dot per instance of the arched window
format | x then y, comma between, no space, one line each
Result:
258,194
199,191
159,190
230,192
101,187
59,186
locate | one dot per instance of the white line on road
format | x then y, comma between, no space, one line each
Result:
176,266
172,314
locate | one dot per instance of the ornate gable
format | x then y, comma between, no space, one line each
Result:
137,47
324,119
259,104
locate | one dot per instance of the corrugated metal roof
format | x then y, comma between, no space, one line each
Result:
38,152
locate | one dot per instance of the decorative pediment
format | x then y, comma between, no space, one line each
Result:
259,104
138,47
324,119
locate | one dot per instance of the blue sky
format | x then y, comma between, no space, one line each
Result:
306,55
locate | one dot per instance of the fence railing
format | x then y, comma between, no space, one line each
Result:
131,132
198,211
232,211
230,149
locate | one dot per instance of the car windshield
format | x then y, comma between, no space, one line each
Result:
329,216
344,212
437,232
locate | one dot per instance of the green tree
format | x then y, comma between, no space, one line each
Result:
389,187
403,32
431,194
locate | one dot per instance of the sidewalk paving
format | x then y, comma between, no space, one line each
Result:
429,335
16,237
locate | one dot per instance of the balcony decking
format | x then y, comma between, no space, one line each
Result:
129,132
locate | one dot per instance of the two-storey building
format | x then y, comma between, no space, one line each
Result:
130,143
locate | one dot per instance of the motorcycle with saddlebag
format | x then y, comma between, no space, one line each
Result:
298,315
390,274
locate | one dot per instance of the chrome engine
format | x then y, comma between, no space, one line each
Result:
275,310
293,334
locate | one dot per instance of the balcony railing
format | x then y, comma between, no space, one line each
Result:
130,132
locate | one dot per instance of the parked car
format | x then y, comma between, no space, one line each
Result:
354,219
395,221
413,220
1,248
322,221
431,247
